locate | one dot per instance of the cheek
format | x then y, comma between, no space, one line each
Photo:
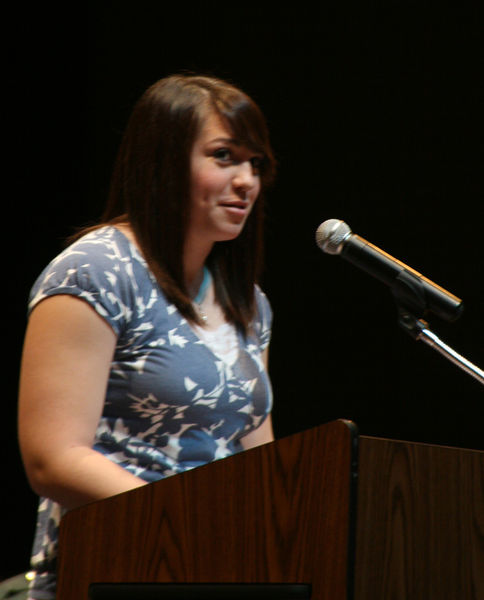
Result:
206,182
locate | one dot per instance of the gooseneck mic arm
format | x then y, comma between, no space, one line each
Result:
429,338
414,294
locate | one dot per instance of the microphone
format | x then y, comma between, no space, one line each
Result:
412,290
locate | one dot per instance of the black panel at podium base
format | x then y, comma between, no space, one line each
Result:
199,591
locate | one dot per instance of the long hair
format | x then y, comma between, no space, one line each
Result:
150,188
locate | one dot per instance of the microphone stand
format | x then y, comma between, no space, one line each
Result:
410,302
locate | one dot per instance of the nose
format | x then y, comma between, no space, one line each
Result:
245,178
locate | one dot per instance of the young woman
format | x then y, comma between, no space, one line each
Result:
146,349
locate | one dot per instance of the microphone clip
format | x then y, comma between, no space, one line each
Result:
410,297
409,294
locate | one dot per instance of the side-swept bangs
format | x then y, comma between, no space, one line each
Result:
244,118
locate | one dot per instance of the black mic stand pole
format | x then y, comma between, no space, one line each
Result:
409,295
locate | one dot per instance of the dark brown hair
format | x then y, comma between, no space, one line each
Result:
150,187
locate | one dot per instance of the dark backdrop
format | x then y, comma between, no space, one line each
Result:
376,119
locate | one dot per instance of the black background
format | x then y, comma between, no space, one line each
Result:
376,119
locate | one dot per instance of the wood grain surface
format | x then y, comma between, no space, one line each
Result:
277,513
282,513
420,532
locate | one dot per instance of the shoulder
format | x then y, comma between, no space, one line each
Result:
103,268
105,246
263,305
90,258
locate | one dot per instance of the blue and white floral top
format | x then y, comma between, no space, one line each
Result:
172,404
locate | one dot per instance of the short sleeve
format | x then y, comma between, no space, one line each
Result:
96,269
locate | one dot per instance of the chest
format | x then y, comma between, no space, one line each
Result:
161,362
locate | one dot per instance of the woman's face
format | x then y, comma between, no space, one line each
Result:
225,183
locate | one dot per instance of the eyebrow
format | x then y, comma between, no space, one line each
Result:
226,141
235,142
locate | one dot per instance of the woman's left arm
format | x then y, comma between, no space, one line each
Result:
263,434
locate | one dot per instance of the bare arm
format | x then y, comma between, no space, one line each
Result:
264,433
65,365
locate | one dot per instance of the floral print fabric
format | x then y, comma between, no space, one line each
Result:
172,404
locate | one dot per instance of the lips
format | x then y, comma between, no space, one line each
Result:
238,209
238,204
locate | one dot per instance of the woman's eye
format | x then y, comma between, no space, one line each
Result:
223,155
226,156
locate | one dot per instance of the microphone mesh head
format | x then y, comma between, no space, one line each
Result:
331,235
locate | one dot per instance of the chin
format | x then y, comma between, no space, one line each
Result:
230,234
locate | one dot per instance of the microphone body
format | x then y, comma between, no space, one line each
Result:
409,286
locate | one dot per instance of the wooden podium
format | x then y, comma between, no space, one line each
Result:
322,514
